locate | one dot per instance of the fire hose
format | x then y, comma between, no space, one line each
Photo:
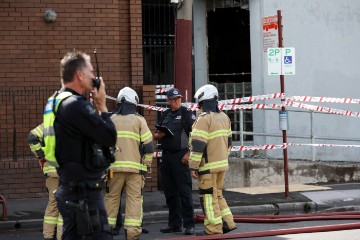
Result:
282,219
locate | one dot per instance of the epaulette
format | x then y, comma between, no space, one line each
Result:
139,115
204,113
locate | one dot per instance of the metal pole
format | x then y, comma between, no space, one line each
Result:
282,87
241,120
313,149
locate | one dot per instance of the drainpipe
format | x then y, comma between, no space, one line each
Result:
183,48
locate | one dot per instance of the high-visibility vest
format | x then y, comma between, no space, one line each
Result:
49,131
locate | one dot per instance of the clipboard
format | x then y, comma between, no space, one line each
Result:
164,129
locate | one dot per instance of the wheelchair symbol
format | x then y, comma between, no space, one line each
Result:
287,59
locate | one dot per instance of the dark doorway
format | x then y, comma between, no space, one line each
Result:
229,45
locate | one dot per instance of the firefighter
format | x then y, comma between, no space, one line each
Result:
52,218
210,145
134,156
78,142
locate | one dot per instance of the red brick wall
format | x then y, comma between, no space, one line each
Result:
30,51
151,182
31,48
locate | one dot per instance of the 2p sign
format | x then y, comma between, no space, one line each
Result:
281,61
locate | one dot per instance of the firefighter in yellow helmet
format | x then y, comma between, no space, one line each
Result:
210,144
135,154
52,218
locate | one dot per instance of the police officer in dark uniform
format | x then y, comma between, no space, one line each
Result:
77,128
176,176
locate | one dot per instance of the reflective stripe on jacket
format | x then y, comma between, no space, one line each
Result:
49,131
209,143
36,142
135,143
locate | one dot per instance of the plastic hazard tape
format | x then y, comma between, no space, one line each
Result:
162,90
155,108
257,147
322,99
278,146
322,145
323,109
252,98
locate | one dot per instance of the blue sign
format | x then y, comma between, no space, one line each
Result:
287,59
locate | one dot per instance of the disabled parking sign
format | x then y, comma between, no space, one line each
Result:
281,61
288,61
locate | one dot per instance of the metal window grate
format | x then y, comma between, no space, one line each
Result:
158,20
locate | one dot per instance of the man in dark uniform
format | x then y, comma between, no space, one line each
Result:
77,127
176,176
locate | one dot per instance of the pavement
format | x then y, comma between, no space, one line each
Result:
28,213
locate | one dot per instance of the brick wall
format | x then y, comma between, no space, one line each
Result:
31,48
21,180
151,182
30,51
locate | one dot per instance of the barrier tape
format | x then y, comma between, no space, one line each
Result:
155,108
276,146
193,107
322,99
252,98
162,90
323,109
323,145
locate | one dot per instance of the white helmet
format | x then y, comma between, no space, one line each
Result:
206,92
129,95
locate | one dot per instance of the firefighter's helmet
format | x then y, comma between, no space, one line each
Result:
206,92
129,95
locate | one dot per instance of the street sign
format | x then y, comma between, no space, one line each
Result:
281,61
288,61
274,61
270,32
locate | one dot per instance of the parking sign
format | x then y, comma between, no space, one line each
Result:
281,61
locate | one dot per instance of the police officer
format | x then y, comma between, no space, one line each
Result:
52,218
210,144
74,133
175,172
135,154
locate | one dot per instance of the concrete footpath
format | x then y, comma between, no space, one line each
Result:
28,214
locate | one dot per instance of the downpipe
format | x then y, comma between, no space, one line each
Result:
282,219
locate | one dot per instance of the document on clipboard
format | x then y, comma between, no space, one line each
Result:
164,129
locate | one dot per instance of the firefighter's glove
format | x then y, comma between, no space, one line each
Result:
42,162
185,159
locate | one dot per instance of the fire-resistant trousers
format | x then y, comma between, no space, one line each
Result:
133,183
52,218
217,212
177,184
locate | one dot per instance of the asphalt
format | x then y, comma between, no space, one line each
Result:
28,213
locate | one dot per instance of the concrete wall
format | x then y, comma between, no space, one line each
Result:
264,172
325,35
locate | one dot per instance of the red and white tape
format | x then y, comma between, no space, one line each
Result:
323,145
322,99
252,98
323,109
276,146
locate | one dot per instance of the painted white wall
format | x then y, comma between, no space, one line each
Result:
326,37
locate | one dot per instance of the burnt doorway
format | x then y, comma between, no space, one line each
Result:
229,59
229,45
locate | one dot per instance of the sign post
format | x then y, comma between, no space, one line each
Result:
282,88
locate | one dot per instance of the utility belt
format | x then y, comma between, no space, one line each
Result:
90,185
